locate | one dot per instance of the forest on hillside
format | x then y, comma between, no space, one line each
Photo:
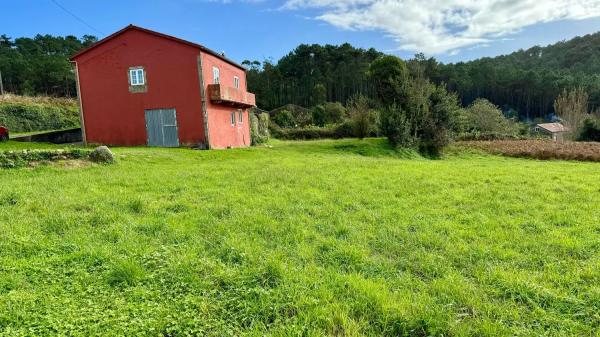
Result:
524,83
40,65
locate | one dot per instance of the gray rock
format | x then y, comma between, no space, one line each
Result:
102,154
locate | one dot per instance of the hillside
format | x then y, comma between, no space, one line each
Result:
524,83
25,114
527,81
580,54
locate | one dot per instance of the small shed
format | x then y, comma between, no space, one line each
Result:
554,130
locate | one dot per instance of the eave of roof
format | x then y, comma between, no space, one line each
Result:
553,127
172,38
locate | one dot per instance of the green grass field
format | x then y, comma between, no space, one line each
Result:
324,238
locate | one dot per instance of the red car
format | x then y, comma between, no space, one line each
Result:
3,134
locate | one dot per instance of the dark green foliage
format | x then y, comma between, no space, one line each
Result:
527,80
426,116
15,159
334,131
40,65
302,76
394,124
439,123
328,113
362,116
389,75
484,118
319,95
25,117
284,119
590,132
259,128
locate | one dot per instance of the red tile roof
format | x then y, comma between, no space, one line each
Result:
553,127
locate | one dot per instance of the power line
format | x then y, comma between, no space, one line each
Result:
76,17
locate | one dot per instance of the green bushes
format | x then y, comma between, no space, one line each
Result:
15,159
24,114
483,117
259,128
590,131
336,131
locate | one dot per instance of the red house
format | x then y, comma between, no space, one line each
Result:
140,87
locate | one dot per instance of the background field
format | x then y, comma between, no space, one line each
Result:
339,238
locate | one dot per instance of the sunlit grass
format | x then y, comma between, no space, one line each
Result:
338,238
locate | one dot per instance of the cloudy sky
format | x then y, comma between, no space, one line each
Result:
450,30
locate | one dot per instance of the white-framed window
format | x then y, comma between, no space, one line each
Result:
136,76
240,116
216,76
233,118
236,82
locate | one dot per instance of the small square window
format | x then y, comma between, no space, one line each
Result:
240,117
233,118
136,76
236,82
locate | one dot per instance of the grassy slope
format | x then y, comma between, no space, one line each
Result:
308,238
23,114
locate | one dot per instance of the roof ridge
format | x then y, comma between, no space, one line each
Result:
159,34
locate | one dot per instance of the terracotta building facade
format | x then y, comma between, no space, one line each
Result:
140,87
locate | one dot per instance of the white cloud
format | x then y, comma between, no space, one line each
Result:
444,26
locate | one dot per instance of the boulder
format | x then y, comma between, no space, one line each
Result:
102,154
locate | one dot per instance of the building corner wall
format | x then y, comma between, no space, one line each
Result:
79,99
204,99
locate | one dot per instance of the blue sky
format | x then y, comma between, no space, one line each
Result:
260,29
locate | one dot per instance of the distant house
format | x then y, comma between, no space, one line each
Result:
140,87
555,130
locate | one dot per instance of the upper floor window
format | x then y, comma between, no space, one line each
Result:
137,76
216,77
236,82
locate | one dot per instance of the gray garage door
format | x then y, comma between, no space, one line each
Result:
161,126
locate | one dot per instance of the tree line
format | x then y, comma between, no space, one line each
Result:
40,65
524,84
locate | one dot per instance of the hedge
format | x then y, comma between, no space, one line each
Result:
343,130
15,159
25,117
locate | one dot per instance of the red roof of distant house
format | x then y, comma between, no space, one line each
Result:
176,39
553,127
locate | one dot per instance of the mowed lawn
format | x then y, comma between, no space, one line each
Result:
323,238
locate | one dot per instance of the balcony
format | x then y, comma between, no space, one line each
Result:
220,94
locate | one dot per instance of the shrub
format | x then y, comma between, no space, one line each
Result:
342,130
590,131
259,128
328,113
439,121
484,117
284,119
394,124
361,115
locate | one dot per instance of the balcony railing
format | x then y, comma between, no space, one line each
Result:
220,94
